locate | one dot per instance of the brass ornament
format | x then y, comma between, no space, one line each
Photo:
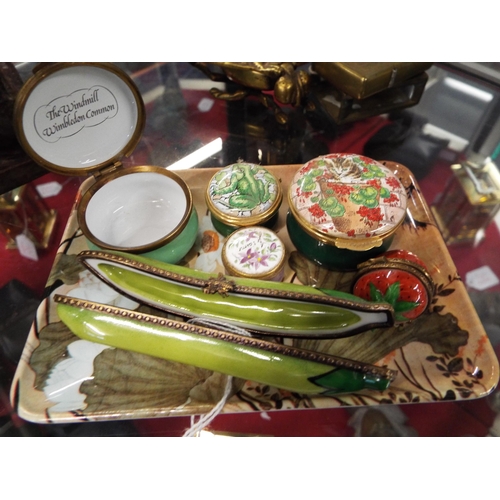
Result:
343,92
290,84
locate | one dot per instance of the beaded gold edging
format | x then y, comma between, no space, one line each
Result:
221,284
252,342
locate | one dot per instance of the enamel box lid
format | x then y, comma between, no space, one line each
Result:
254,252
243,194
75,118
347,200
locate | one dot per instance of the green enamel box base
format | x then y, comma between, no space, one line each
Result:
328,255
226,230
175,251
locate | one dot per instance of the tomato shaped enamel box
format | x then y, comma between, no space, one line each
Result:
399,278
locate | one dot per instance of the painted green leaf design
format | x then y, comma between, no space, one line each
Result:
375,294
356,198
384,192
371,202
126,380
337,211
391,296
372,171
308,186
404,306
392,293
369,192
327,203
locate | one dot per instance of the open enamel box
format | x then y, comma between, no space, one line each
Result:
83,119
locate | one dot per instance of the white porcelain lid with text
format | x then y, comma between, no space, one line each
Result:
74,118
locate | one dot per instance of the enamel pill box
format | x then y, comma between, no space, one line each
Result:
243,195
344,209
254,252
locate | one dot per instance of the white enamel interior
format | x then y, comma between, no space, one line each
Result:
79,117
136,209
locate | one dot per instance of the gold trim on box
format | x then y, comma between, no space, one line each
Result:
227,336
119,172
255,220
344,243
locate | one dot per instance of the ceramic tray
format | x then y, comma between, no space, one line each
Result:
443,355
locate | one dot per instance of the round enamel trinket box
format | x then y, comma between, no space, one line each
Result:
397,277
344,209
83,119
254,252
243,195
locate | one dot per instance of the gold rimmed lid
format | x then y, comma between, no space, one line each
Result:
254,252
243,194
77,118
347,200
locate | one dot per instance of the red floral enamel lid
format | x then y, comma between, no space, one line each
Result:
347,200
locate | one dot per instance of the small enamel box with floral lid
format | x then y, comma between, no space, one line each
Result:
254,252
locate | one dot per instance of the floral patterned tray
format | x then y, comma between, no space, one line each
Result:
443,355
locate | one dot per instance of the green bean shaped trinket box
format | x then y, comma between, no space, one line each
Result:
269,363
265,307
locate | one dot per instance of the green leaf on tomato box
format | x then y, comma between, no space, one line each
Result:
391,296
375,294
392,293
